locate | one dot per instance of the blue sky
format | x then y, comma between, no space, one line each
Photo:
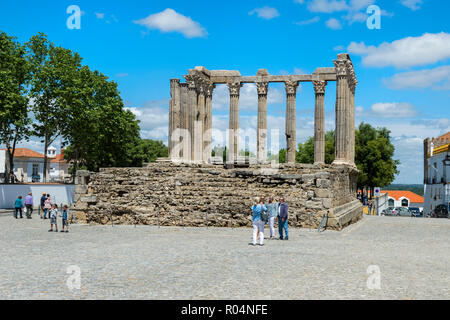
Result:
403,68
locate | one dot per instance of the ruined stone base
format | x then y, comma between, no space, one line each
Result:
169,194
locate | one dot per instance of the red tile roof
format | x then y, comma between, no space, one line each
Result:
26,153
59,158
397,194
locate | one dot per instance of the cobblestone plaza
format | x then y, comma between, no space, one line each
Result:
127,262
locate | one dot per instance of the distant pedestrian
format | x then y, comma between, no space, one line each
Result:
370,208
272,207
258,226
53,218
47,206
29,204
18,205
43,198
65,218
283,219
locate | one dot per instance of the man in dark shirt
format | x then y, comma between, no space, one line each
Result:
43,198
283,219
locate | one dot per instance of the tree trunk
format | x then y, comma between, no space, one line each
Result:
11,152
44,174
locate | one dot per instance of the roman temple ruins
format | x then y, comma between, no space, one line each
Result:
191,189
190,112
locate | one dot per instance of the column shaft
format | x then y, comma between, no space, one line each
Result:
319,122
199,122
174,119
207,136
261,137
184,124
291,90
340,155
233,137
192,108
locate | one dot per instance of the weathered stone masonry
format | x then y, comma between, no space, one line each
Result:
170,194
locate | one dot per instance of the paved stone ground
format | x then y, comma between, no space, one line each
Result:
127,262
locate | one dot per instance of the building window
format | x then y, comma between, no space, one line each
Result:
405,203
391,203
35,169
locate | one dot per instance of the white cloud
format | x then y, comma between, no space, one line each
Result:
407,52
437,79
99,15
265,13
327,6
387,110
333,24
412,4
154,119
171,21
307,22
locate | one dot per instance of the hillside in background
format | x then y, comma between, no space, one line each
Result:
416,188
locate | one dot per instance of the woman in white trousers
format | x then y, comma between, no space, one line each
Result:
258,224
273,213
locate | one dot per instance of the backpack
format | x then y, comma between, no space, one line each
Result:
264,216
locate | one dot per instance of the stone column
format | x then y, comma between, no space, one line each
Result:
233,137
341,145
291,90
352,89
319,122
207,136
184,124
199,122
261,137
192,107
174,118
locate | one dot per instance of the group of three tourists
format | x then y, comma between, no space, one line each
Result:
266,213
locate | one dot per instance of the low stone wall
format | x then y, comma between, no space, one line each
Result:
198,195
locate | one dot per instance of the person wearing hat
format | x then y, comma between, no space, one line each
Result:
43,198
29,204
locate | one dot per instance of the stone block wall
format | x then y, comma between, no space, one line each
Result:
171,194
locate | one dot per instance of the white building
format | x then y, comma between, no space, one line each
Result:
29,165
437,172
4,165
404,198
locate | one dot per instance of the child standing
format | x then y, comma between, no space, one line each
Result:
47,206
65,218
53,216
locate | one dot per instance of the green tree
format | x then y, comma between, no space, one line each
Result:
282,156
148,151
14,77
374,153
53,72
100,132
305,152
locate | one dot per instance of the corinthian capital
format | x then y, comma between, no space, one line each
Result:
319,86
341,67
234,88
262,88
291,87
209,88
191,81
